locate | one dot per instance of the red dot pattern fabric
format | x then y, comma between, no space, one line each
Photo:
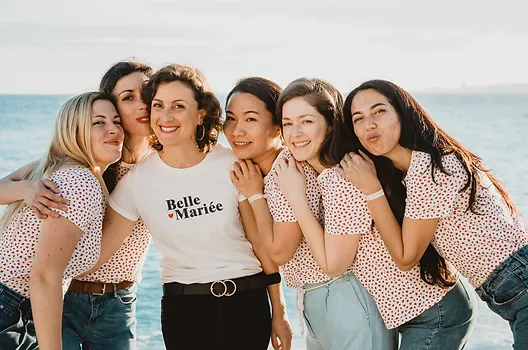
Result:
21,236
475,244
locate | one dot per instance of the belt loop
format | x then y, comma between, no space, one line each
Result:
115,289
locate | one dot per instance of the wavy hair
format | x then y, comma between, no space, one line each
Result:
207,101
419,133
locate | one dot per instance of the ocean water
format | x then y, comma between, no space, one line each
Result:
493,126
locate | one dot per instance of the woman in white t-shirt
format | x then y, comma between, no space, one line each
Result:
426,188
214,289
39,258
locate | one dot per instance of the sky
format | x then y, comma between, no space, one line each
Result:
65,46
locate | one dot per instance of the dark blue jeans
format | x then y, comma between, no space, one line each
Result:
97,322
446,325
506,293
17,329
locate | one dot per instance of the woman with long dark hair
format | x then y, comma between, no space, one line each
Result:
427,189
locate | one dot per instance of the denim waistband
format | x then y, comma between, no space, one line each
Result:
11,302
520,257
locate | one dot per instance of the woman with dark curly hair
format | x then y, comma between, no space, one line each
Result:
214,287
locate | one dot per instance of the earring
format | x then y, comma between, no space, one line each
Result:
203,132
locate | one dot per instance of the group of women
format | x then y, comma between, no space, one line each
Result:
372,212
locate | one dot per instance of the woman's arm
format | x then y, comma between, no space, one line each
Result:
116,229
280,324
40,196
333,253
57,241
281,239
406,244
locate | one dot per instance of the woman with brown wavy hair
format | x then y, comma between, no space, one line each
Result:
425,188
214,287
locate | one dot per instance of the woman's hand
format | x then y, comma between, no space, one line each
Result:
247,177
359,169
281,332
291,179
42,196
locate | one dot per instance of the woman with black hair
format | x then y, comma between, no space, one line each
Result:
426,188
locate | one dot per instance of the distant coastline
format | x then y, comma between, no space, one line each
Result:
486,89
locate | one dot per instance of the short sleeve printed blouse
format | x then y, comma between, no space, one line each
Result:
21,235
302,268
475,244
399,295
126,263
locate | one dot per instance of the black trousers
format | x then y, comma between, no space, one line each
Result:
205,322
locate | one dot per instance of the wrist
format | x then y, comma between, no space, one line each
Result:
371,189
255,197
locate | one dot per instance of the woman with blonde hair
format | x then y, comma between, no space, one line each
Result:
38,259
111,290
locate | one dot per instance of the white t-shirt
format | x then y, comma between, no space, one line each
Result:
192,215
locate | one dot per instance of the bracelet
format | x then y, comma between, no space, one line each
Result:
374,195
255,197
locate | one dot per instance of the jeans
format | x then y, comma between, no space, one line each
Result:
506,293
342,315
204,322
100,322
444,326
17,329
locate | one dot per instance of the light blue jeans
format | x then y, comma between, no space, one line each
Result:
446,325
17,329
342,315
98,322
506,293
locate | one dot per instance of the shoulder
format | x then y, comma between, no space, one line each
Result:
78,185
75,177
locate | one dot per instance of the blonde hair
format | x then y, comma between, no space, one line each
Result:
70,146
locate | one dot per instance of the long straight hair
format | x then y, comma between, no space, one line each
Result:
70,146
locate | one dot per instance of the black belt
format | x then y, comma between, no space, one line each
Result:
221,288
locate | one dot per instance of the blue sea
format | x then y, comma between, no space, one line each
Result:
493,126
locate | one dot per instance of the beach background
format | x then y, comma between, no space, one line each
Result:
495,126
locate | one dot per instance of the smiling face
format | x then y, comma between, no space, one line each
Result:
304,129
174,115
131,108
106,135
248,126
376,123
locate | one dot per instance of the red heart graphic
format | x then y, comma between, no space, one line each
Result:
171,215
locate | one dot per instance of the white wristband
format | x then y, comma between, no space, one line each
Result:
255,197
374,195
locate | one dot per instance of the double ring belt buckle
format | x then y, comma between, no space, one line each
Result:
224,292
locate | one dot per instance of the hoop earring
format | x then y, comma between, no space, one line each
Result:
203,132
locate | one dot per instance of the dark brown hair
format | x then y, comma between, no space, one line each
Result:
207,101
115,73
419,133
321,95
